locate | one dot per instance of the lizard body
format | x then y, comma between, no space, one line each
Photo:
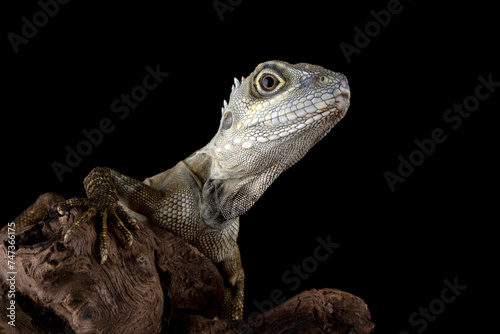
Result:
273,118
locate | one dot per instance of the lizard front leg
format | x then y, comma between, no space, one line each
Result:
104,188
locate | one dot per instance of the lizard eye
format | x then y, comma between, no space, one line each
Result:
268,82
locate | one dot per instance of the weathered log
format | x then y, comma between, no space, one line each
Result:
135,291
314,311
159,285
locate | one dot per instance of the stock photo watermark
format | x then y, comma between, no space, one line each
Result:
363,36
223,6
293,279
11,273
31,26
420,319
95,136
453,119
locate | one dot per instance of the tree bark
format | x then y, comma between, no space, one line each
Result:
159,285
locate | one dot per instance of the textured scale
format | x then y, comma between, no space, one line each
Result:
177,214
273,117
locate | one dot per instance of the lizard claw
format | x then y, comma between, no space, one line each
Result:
103,238
104,257
118,214
75,225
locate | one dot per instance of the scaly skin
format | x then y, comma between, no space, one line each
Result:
273,118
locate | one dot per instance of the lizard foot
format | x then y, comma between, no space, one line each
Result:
111,210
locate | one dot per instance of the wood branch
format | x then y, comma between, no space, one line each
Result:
159,285
314,311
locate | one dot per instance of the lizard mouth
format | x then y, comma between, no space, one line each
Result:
342,101
344,96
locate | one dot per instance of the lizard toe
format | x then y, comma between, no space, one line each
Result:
75,225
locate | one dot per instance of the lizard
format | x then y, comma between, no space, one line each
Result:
274,116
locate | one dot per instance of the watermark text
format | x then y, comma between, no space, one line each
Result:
293,279
11,273
95,136
419,320
30,27
453,119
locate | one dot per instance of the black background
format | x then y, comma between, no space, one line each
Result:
397,247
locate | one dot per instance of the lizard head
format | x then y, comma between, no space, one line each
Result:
277,114
273,118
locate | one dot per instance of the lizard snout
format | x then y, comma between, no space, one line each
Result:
342,95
